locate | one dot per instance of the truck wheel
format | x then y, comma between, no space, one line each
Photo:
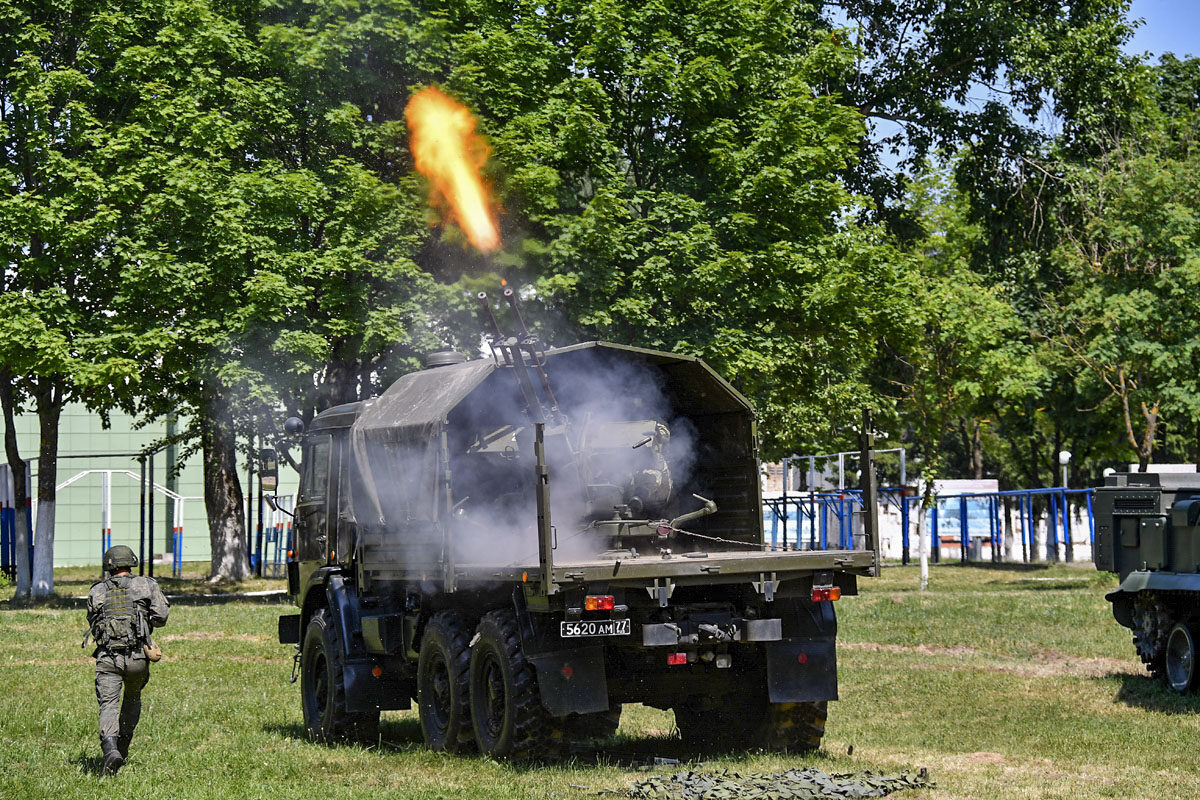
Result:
740,723
506,707
1181,658
600,725
442,686
795,727
322,690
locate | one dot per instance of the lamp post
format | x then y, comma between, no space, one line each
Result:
1064,458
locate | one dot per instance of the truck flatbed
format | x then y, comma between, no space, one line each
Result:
680,567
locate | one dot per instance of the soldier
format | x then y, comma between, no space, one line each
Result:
121,611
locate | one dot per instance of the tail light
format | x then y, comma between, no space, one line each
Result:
598,602
823,593
676,659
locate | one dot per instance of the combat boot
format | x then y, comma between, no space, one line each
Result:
113,760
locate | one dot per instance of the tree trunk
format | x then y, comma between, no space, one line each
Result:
18,467
923,536
223,490
1009,536
977,449
342,378
1035,480
49,410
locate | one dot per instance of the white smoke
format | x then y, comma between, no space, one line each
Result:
593,391
607,400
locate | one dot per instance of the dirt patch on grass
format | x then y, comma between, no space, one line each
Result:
1087,667
214,635
1042,664
923,649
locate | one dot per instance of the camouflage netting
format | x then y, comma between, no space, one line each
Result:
794,783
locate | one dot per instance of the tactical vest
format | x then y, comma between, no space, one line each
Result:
117,627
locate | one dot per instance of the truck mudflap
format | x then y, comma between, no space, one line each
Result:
371,683
572,681
366,691
801,670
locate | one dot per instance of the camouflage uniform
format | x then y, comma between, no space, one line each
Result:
127,670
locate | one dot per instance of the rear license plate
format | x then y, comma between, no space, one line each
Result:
594,627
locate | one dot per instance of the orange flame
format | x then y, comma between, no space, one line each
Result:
449,152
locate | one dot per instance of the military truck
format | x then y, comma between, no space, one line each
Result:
1148,532
521,544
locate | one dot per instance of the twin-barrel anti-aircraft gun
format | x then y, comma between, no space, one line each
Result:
521,544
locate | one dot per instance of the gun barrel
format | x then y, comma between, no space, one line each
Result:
511,297
488,315
527,342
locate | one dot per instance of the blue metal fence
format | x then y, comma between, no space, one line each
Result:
824,520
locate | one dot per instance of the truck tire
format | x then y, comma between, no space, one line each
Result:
323,691
599,725
442,685
506,707
737,722
1180,658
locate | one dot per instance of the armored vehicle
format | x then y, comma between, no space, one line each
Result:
523,543
1148,532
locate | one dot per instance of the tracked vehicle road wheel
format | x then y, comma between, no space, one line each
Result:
1181,658
738,722
442,687
1151,626
323,691
506,708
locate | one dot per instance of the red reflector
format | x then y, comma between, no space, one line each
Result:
376,672
675,659
802,658
567,671
823,593
598,602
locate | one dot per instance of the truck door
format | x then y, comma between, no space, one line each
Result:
312,510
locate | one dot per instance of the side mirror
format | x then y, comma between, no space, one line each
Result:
294,426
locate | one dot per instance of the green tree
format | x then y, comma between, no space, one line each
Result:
971,353
1130,322
932,75
671,172
271,260
60,104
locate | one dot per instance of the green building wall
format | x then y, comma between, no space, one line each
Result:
77,537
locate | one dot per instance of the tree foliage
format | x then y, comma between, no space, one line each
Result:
672,173
211,212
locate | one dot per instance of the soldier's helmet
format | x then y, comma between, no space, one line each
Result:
119,557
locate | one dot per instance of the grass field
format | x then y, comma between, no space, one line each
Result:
1005,683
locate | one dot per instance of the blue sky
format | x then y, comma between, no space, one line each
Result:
1170,26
